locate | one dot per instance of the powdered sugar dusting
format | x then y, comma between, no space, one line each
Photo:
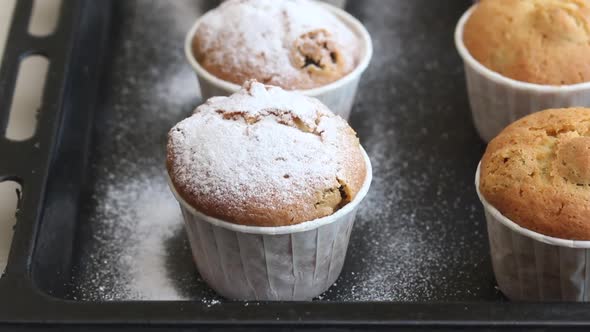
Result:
141,216
259,36
257,100
264,151
132,244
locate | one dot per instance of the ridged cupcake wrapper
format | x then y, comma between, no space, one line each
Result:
497,101
297,262
337,3
495,105
534,267
296,266
338,96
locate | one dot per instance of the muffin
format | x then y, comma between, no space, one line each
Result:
267,179
295,44
523,56
536,41
265,157
537,173
533,182
308,46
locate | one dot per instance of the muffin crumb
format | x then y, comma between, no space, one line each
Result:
573,160
316,53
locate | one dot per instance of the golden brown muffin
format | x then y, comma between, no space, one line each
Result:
292,44
265,157
536,41
537,173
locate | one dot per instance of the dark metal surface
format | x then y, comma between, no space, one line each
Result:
419,248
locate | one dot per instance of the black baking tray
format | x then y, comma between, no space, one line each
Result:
106,110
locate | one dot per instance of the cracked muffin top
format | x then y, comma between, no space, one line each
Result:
537,173
294,44
265,157
536,41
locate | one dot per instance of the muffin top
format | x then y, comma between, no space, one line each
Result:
265,157
536,41
537,173
294,44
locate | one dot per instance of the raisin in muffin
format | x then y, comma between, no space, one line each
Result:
537,173
265,157
536,41
294,44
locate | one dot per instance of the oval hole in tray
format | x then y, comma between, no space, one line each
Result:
28,94
9,193
5,22
44,17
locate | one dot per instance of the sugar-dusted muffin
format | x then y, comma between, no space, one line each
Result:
265,157
536,41
537,173
294,44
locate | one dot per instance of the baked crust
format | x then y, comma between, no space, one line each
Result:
537,173
265,157
537,41
292,44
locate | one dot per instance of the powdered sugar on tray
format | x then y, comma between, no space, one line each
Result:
140,215
133,245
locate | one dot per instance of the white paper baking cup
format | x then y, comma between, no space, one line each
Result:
338,95
534,267
297,262
337,3
496,100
